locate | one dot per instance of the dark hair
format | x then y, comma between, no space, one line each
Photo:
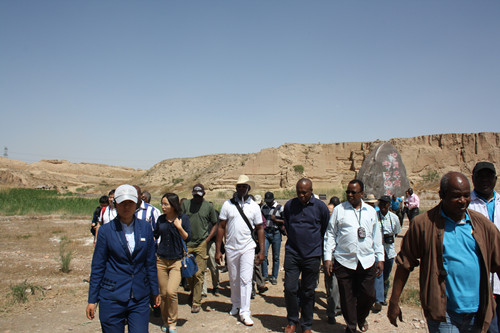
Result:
111,192
104,199
357,181
334,201
173,200
146,195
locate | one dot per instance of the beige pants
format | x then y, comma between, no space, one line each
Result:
196,282
169,277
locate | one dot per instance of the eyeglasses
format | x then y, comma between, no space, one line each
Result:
351,192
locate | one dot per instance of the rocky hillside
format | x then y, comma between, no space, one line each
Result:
329,165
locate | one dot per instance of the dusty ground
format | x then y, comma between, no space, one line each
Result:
29,251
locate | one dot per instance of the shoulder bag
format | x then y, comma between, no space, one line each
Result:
188,263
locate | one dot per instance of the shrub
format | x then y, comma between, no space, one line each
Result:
431,176
64,255
298,168
178,180
20,292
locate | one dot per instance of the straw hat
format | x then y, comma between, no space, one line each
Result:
243,179
370,198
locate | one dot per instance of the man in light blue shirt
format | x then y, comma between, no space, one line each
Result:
353,240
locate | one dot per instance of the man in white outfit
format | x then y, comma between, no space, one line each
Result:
486,201
240,246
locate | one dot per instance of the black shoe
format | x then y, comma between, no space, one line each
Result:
215,292
377,307
263,289
253,294
384,303
185,284
332,320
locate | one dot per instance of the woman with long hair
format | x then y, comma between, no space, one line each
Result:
172,229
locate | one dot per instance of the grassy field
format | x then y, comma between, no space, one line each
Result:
21,201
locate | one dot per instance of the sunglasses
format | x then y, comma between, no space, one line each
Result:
352,192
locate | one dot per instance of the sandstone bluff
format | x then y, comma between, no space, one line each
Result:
327,164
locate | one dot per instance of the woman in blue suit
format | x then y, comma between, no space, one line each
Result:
124,269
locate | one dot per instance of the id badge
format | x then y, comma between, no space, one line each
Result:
361,233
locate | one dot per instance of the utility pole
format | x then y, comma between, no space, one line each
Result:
5,152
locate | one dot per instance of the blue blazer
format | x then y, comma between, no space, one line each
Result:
116,274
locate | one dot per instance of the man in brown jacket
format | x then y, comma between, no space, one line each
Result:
456,249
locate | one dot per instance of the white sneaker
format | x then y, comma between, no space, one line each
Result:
234,311
246,320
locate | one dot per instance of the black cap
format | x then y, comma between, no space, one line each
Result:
269,197
385,198
484,165
199,189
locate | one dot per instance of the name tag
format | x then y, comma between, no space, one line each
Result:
143,239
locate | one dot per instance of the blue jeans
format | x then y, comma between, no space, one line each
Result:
273,238
383,281
455,323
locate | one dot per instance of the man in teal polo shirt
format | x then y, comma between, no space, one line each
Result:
456,249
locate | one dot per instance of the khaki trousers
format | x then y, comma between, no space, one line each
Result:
196,282
169,277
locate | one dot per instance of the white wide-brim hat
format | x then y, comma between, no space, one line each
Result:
243,179
125,192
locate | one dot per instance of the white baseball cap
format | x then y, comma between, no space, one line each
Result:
125,192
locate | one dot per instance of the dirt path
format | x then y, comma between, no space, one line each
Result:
29,251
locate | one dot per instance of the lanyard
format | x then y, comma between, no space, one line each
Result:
358,217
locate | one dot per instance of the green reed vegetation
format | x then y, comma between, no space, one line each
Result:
22,201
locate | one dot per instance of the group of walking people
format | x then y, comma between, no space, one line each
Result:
136,263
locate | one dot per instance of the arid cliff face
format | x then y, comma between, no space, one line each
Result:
329,165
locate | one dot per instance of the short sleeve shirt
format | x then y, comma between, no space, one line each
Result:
238,235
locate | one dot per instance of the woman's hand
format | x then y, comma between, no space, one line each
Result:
178,223
90,311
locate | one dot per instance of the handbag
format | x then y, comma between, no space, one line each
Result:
252,230
188,263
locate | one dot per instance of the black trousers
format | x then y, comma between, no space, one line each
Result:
357,293
307,269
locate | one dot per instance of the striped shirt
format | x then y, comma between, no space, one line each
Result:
149,213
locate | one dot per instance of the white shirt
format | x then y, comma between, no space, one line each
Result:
479,205
390,226
107,215
342,241
129,236
238,235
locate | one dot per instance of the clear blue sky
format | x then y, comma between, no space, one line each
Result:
132,83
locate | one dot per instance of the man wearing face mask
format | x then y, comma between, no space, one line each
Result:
203,221
306,219
237,217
